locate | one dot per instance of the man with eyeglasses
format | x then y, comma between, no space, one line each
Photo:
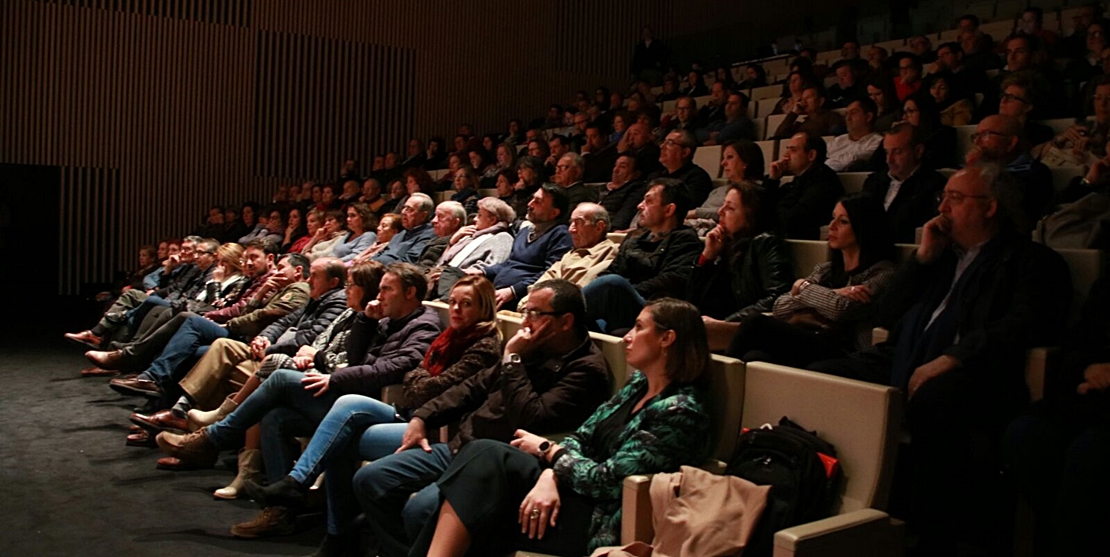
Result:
406,245
908,80
550,379
568,175
677,157
998,140
685,115
964,309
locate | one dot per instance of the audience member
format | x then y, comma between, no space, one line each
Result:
592,252
296,232
796,84
695,85
819,120
653,262
907,189
486,242
846,89
881,91
965,308
449,218
677,157
568,175
466,189
829,313
908,80
754,76
408,244
955,109
598,154
743,267
327,236
853,151
736,124
741,161
803,204
1019,99
998,141
685,115
622,195
360,235
638,142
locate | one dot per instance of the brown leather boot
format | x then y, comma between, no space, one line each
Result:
193,449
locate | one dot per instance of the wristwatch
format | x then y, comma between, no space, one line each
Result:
511,358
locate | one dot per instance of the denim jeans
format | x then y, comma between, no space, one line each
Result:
384,488
283,390
356,428
612,302
194,333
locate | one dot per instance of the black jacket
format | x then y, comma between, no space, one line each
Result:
657,269
806,204
913,206
697,180
380,353
309,321
622,203
744,280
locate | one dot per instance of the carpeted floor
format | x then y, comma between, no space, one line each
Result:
69,485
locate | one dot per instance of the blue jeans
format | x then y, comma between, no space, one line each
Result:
283,390
612,302
194,333
332,448
384,487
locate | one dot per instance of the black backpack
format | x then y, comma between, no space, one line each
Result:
802,470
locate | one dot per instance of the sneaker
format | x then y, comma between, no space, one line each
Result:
272,521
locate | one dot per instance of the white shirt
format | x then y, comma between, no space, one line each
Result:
843,152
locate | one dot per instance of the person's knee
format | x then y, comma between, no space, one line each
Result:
420,509
369,484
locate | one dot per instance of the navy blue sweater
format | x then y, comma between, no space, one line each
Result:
528,261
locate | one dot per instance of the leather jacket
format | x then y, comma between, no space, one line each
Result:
744,280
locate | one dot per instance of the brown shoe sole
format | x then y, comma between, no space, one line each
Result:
284,529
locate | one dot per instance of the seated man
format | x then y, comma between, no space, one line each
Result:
188,335
652,262
592,253
736,124
908,80
551,378
677,157
853,150
389,339
535,248
407,245
450,216
998,141
714,109
327,299
568,175
965,308
598,154
637,141
819,121
908,190
622,195
847,87
804,205
685,115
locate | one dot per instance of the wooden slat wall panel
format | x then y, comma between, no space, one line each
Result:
156,109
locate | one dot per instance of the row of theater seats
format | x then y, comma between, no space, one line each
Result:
862,420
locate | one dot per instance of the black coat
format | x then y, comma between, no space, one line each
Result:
743,281
806,204
622,203
697,180
308,321
913,206
657,269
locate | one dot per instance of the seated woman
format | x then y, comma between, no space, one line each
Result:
314,221
506,159
360,236
150,281
325,354
742,161
881,90
827,314
327,236
796,82
388,227
479,160
296,232
571,490
955,108
361,428
148,263
486,242
507,192
466,189
455,161
743,268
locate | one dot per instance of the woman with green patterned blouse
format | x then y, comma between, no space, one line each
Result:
565,499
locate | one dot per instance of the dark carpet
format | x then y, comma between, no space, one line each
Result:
69,485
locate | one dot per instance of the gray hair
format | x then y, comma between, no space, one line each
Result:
498,208
456,210
426,203
576,160
193,239
595,213
1006,192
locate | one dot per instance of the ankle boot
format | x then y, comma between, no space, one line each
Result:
198,419
250,468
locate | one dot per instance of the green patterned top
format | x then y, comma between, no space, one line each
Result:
671,430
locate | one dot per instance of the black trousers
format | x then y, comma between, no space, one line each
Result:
766,339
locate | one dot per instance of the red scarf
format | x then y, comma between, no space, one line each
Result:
449,347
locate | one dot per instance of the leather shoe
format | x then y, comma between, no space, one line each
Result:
162,420
140,439
136,386
86,338
272,521
98,372
194,449
173,463
106,360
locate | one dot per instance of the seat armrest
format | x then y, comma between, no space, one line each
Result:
863,532
636,519
1036,364
879,335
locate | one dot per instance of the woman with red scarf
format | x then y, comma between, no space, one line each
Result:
371,429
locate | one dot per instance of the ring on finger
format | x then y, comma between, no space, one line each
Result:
535,515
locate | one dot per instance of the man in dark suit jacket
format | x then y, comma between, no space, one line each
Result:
806,204
908,190
677,157
975,296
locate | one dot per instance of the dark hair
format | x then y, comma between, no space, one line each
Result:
890,95
974,19
816,143
509,174
302,228
758,206
269,247
545,150
872,231
535,164
953,46
1035,11
752,156
561,139
439,141
688,141
631,157
867,105
423,179
917,137
559,199
410,276
369,219
367,274
566,298
297,260
927,108
688,357
760,75
673,191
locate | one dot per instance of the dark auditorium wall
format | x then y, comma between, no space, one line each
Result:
155,109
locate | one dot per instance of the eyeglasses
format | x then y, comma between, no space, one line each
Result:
672,143
955,197
986,134
1008,97
533,314
199,252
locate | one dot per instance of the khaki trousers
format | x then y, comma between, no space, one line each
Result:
220,372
